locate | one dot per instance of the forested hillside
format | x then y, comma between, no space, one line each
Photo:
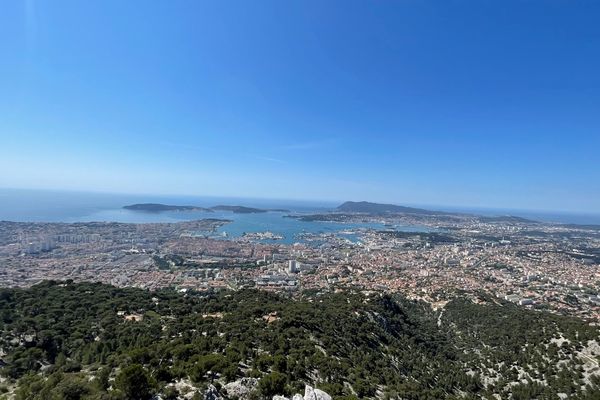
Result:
94,341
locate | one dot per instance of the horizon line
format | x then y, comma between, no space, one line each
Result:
431,206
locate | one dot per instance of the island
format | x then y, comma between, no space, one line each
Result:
156,207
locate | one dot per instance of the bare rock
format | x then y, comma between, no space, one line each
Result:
315,394
212,393
241,388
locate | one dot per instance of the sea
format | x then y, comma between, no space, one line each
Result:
24,205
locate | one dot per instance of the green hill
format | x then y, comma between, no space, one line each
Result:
84,338
377,208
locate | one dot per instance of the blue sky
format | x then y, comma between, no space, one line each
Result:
460,103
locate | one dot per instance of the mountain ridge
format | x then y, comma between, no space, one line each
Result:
382,208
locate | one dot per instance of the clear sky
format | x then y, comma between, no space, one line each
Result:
464,103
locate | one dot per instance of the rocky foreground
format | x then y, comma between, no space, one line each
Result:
243,388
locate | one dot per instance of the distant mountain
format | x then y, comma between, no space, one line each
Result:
155,207
239,209
377,208
507,218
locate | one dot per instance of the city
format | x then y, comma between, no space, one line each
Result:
299,200
537,265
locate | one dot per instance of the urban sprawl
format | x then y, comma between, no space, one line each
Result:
537,265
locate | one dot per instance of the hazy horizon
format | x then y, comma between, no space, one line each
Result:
120,199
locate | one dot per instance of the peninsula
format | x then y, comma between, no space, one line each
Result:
377,208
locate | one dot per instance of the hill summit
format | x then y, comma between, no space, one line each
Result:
378,208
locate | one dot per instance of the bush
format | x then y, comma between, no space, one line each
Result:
134,383
272,384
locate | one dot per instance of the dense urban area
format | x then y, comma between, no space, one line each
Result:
466,307
533,264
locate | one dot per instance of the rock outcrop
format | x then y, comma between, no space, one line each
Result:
212,393
310,393
241,388
244,388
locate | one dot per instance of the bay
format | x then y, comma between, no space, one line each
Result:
60,206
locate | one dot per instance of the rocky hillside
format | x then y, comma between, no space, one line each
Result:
94,341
